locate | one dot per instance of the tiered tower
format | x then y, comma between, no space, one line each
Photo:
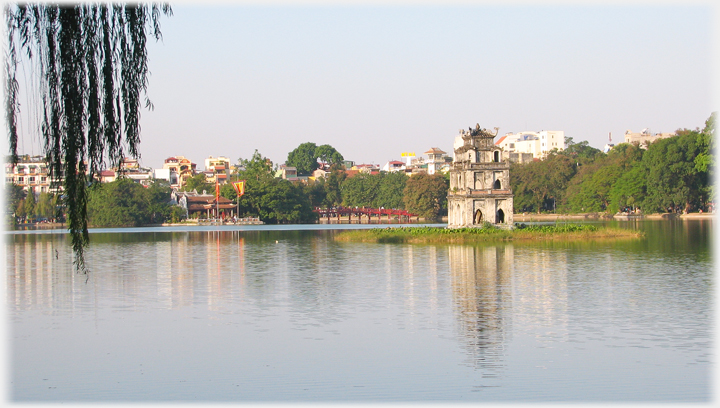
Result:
479,183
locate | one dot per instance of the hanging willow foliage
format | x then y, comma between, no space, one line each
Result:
91,67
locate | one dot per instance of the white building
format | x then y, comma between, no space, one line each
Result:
539,144
394,165
32,173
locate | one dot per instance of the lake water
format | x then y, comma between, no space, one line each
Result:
286,314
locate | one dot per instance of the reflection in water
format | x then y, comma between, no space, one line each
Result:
481,277
364,321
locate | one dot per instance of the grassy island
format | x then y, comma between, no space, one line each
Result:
420,235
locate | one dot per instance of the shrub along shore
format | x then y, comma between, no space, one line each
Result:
419,235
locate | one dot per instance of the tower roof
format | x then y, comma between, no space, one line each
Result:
435,150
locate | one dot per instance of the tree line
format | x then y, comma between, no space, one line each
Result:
277,200
668,175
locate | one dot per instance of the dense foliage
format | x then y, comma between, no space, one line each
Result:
24,208
426,195
671,175
271,199
307,157
125,203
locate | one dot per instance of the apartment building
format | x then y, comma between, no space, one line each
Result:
32,173
217,168
180,169
538,144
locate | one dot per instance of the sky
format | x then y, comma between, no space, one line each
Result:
376,81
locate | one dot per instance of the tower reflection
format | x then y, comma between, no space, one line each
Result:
482,293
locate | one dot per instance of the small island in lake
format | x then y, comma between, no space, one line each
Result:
487,233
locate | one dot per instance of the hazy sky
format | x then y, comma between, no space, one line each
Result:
375,81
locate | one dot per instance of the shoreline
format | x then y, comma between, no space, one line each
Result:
516,218
604,216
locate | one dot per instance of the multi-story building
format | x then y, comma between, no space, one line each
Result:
645,137
217,168
181,169
128,168
394,165
436,161
539,144
32,173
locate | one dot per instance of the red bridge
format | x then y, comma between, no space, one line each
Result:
336,212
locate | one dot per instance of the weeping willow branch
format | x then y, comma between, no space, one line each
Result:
92,67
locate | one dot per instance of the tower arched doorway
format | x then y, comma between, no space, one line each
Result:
496,185
500,217
478,218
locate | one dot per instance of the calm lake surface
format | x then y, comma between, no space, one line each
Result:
286,314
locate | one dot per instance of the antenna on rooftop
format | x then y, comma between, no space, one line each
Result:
609,136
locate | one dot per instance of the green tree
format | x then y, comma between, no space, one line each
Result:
705,161
157,197
426,195
14,195
90,68
361,190
316,192
673,184
581,152
29,206
539,185
257,168
199,183
117,204
328,155
305,157
391,190
629,190
333,186
46,205
125,203
273,200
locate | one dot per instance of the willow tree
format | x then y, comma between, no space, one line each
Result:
89,68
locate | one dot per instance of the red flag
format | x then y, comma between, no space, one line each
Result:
217,190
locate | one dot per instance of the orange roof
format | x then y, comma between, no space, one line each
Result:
500,140
434,150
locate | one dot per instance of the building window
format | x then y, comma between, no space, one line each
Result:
32,180
21,179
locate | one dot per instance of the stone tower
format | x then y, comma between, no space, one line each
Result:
479,182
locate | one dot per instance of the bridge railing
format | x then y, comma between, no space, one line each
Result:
335,211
